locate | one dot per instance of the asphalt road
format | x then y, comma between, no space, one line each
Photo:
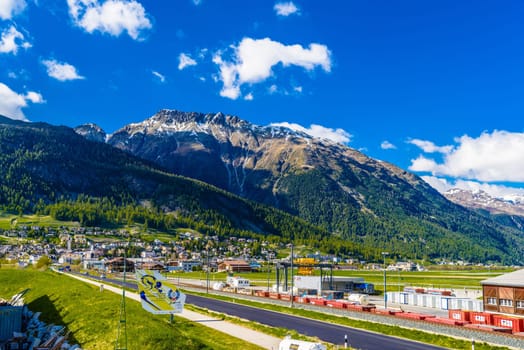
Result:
325,331
328,332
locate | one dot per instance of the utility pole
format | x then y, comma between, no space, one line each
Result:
121,338
385,283
292,278
268,272
207,270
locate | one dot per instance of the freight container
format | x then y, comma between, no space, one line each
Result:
480,318
445,304
285,297
274,295
516,324
320,302
446,321
414,316
403,298
459,315
335,304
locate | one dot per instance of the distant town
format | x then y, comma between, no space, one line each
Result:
102,249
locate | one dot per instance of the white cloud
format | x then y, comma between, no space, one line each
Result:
184,60
61,71
496,156
11,103
10,8
11,39
319,131
34,97
430,147
112,16
286,8
298,89
161,77
387,145
253,60
272,89
249,97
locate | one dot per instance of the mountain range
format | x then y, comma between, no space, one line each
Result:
482,200
249,175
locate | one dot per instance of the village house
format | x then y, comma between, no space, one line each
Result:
234,266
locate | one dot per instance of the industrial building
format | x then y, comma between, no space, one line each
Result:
333,283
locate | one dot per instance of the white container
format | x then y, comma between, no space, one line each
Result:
292,344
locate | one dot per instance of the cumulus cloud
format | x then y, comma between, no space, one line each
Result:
430,147
160,77
11,40
496,156
286,8
10,8
185,60
319,131
34,97
253,60
387,145
111,16
249,97
61,71
11,103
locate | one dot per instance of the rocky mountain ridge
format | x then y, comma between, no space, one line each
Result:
482,200
325,183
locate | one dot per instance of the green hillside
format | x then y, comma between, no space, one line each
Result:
92,317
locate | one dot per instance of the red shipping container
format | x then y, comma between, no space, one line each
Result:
335,304
459,315
480,318
369,308
516,324
320,302
354,307
447,321
414,315
274,295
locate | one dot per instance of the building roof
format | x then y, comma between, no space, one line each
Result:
512,279
236,263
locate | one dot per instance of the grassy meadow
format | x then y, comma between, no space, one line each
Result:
92,317
457,279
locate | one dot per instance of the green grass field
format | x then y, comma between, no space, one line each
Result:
9,221
92,317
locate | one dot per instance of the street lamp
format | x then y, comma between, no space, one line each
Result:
385,284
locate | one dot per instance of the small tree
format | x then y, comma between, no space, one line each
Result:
44,262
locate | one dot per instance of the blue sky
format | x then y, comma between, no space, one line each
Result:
434,87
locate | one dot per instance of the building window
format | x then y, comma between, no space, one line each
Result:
520,304
506,302
492,301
